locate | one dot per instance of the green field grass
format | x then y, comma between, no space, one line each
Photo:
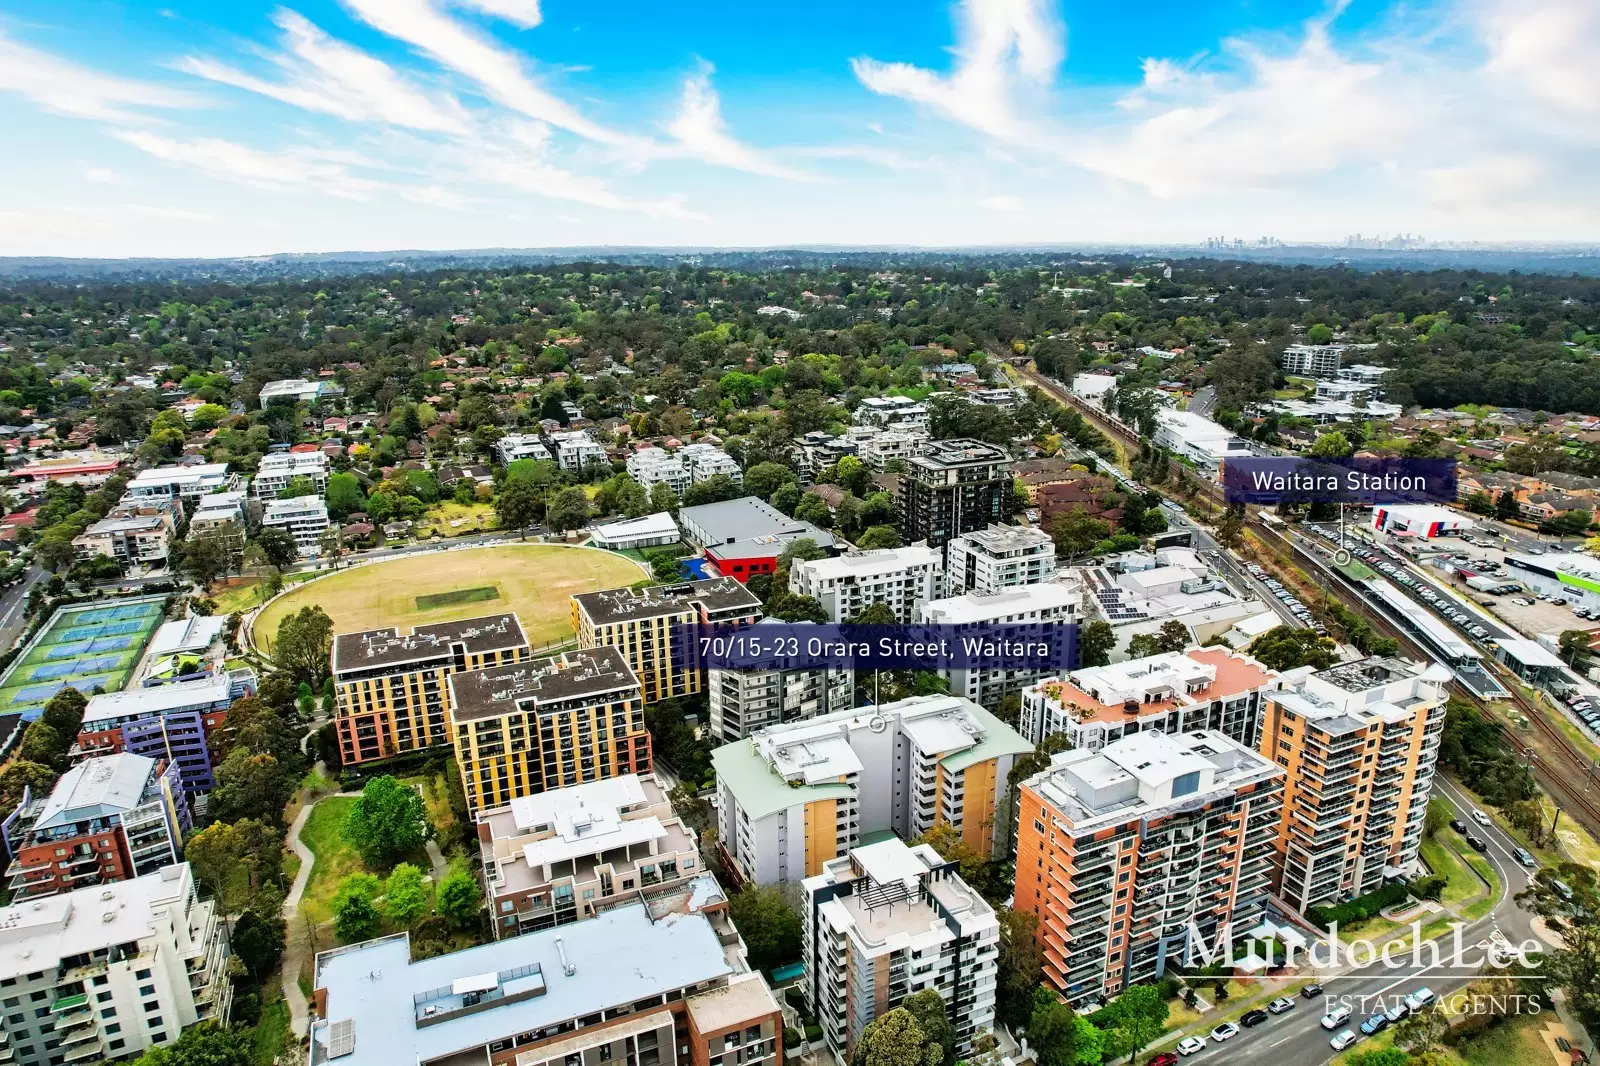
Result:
335,858
534,581
450,599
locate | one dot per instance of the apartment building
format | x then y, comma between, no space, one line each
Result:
903,578
742,701
280,468
390,686
108,972
562,856
532,727
998,557
107,819
185,482
1312,360
953,487
704,461
513,446
654,466
173,723
576,450
1173,692
624,987
1360,742
297,390
1028,612
222,512
136,535
902,443
1120,849
646,625
793,797
303,517
887,921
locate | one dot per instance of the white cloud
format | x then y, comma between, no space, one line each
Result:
329,76
699,128
524,13
1546,48
1003,204
66,88
497,72
1004,46
101,175
532,175
278,171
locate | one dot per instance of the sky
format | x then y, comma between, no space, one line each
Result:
181,128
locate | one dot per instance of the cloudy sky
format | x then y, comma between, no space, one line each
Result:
177,127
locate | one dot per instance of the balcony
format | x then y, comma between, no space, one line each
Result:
67,1004
85,1052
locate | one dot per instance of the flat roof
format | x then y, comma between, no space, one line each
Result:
998,540
659,524
96,788
170,475
618,957
157,699
38,934
873,561
714,595
981,606
504,689
1529,652
745,518
376,648
187,634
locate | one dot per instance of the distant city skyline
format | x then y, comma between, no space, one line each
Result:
151,128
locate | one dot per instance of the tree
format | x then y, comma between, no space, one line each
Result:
876,613
927,1009
250,785
1231,526
235,860
258,940
1020,965
664,565
1060,1036
63,712
714,489
344,495
1076,532
770,927
201,1044
812,508
206,558
303,645
460,898
22,774
1333,445
569,510
355,908
1286,648
44,745
1574,645
387,822
1319,334
1421,1031
1135,1018
801,549
278,547
297,487
764,479
519,504
879,537
662,498
1095,641
895,1039
405,895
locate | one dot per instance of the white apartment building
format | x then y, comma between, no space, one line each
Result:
1173,692
513,446
110,971
887,921
1028,611
305,517
903,442
1312,360
188,482
793,797
988,560
576,450
904,578
707,460
890,411
653,466
280,468
216,511
297,390
743,701
1360,741
131,535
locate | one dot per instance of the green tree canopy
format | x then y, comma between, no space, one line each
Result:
387,822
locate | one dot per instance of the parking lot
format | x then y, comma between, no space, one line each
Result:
1299,610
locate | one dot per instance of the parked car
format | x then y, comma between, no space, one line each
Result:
1166,1058
1225,1031
1397,1012
1280,1005
1375,1024
1191,1045
1311,991
1336,1017
1253,1018
1342,1040
1420,998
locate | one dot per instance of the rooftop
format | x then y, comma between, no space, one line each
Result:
96,788
187,634
960,451
294,507
874,561
388,647
650,525
1351,696
39,934
712,595
747,518
1009,540
177,475
505,689
105,708
1049,596
1157,683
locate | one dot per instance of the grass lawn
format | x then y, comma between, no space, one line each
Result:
451,519
271,1034
534,580
1461,884
1518,1040
324,835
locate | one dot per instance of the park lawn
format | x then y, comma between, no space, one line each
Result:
336,858
1445,859
1518,1040
535,581
271,1035
451,519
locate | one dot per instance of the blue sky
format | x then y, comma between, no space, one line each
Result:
189,128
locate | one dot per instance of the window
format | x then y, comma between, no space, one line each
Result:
109,1012
101,980
147,990
142,975
158,1037
102,997
116,1045
41,1012
114,1027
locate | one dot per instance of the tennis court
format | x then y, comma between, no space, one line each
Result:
82,647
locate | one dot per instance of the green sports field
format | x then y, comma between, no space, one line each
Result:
533,580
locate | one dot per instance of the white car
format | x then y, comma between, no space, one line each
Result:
1191,1045
1343,1039
1335,1017
1225,1031
1419,999
1281,1004
1479,817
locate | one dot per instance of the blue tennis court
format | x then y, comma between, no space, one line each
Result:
41,694
107,629
50,671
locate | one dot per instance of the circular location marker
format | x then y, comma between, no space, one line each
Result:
1342,557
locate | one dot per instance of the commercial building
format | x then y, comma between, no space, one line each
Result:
533,727
278,469
108,972
1048,613
1201,441
742,701
903,578
1174,692
746,536
1567,574
186,482
303,517
221,511
953,487
81,469
562,856
172,722
107,819
793,797
705,461
625,534
988,560
1360,742
1122,851
652,466
645,625
1312,360
1419,520
624,987
887,921
513,446
391,691
576,450
297,390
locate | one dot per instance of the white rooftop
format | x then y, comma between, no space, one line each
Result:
874,562
659,524
158,699
177,475
1050,596
38,934
96,788
890,861
1131,680
586,820
187,634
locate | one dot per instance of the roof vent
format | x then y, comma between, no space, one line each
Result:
567,966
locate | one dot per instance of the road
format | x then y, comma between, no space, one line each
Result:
1203,402
13,606
1298,1039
